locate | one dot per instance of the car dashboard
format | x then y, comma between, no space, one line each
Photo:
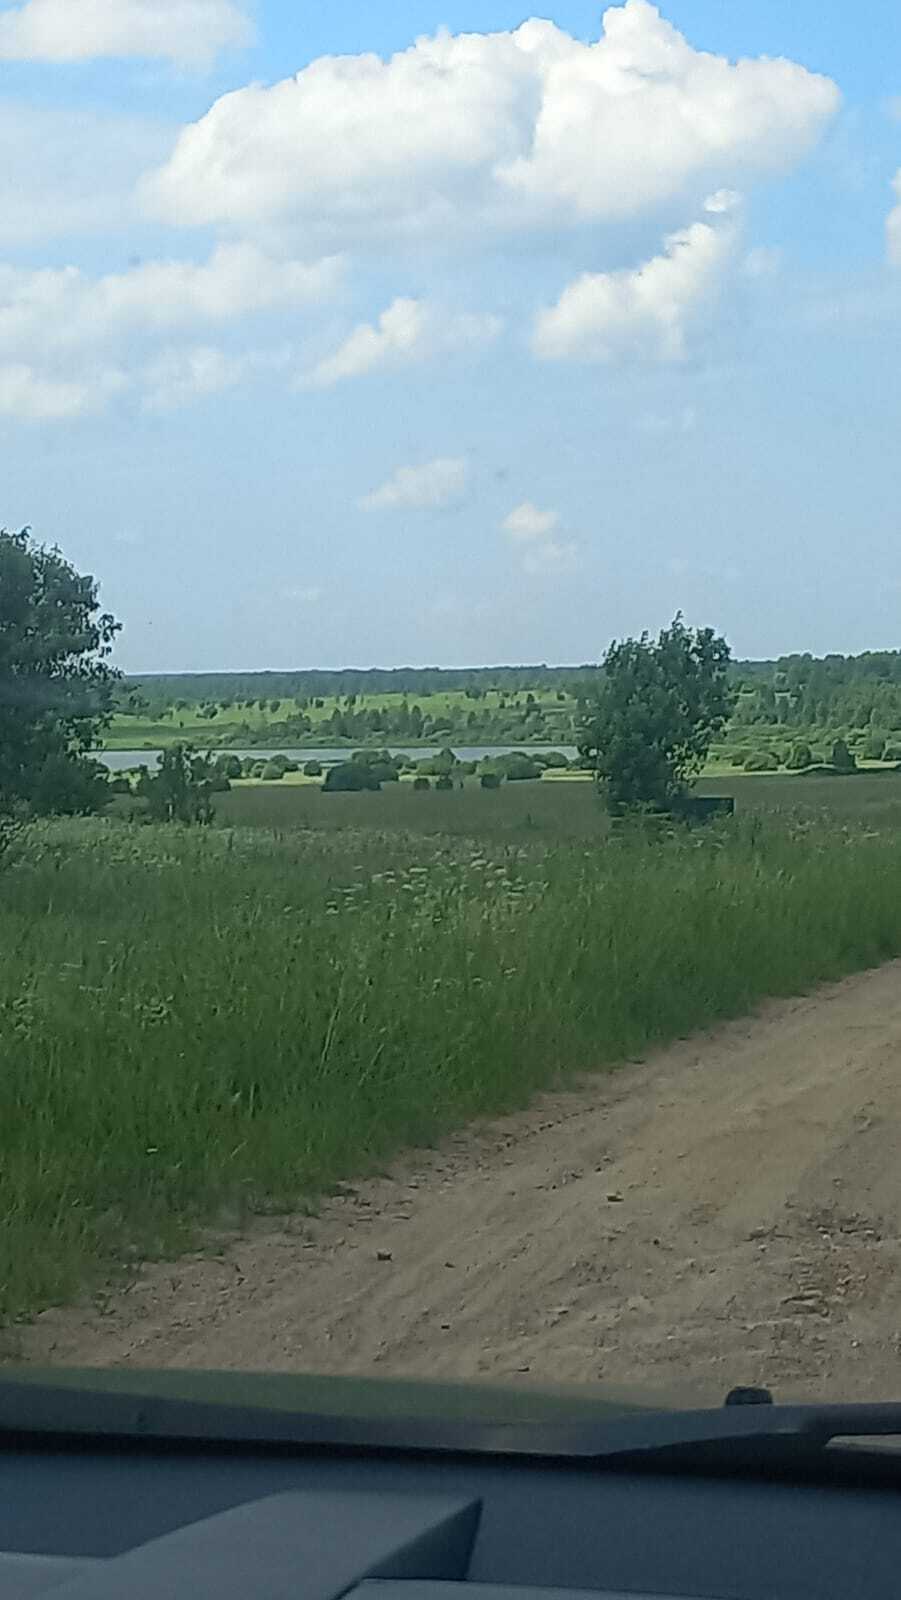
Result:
133,1513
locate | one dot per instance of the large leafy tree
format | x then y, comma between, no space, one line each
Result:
56,681
649,721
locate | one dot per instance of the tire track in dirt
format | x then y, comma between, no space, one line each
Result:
728,1211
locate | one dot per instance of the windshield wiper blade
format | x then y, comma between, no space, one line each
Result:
734,1437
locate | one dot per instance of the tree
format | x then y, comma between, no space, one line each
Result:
182,789
56,684
648,723
873,747
842,759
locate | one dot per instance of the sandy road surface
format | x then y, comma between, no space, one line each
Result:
729,1211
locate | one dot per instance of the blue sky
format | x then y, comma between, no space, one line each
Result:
517,342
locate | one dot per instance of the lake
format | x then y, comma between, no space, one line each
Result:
125,760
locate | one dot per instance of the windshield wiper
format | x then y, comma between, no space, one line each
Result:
737,1437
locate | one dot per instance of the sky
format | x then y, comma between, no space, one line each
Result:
449,332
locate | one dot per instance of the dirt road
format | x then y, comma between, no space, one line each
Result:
727,1212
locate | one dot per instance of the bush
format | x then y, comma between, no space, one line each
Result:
490,780
444,784
439,766
799,757
519,767
313,769
229,766
873,747
349,777
279,761
421,784
69,785
892,752
553,758
257,769
842,759
761,761
273,772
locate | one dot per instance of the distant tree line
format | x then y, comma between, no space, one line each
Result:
803,691
211,688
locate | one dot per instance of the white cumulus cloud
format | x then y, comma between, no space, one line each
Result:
527,522
29,395
643,312
531,127
408,330
56,321
186,32
431,486
893,225
66,307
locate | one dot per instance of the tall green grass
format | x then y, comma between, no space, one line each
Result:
198,1021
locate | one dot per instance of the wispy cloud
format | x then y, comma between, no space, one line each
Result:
431,486
532,531
187,32
527,522
407,331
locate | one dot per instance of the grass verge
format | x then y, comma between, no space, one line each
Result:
194,1021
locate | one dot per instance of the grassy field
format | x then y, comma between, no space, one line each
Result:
554,808
194,1024
129,732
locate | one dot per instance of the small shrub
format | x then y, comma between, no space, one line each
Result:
873,747
761,761
313,769
349,777
420,784
522,771
842,759
444,783
273,772
490,780
799,757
